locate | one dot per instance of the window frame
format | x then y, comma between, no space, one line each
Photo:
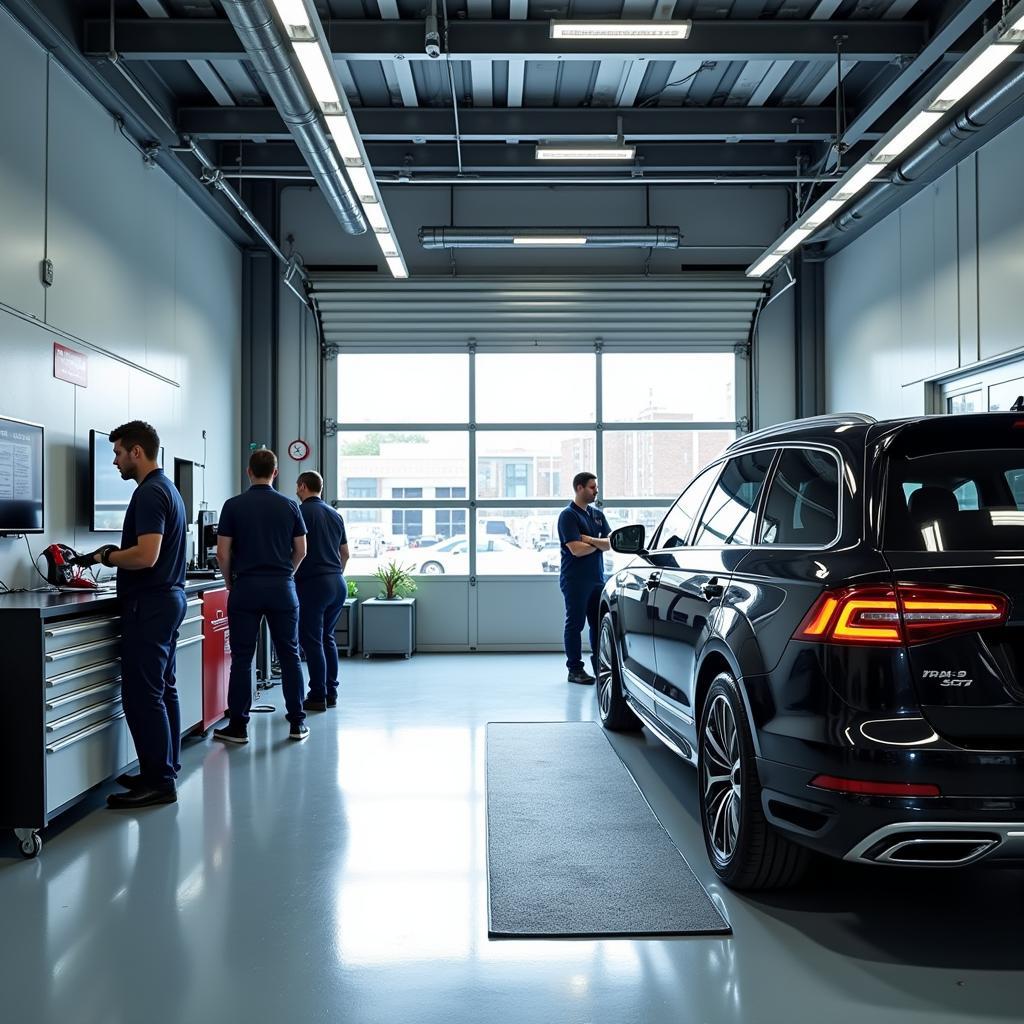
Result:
840,467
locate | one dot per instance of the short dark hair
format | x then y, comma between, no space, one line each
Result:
581,480
137,432
311,480
262,463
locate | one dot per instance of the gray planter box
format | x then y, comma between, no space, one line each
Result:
387,627
346,633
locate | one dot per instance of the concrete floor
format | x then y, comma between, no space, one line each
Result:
344,879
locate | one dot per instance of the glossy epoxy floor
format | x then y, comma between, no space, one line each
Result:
344,879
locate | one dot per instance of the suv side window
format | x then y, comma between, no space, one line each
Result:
729,515
803,500
676,527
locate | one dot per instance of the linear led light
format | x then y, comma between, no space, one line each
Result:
550,240
566,151
295,18
319,76
979,69
903,140
858,181
375,216
397,266
387,243
344,137
620,29
362,183
824,213
791,240
762,267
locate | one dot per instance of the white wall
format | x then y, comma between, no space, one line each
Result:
144,284
933,288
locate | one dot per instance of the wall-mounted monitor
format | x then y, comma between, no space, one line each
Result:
21,476
108,493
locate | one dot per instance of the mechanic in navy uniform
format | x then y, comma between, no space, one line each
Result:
582,532
150,567
261,541
320,582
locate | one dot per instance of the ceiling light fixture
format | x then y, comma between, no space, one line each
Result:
549,240
397,266
344,138
295,18
509,237
319,75
997,46
569,151
646,30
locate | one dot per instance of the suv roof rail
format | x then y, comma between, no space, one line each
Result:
837,419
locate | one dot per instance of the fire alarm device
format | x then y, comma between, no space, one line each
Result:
298,450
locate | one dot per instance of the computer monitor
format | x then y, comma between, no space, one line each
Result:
21,476
108,493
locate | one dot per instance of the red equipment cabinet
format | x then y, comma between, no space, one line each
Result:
216,656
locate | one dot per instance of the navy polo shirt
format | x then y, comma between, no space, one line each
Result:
324,537
262,523
573,522
155,507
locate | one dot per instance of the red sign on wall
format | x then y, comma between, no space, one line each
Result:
70,365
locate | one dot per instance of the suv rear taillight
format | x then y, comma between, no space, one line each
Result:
904,614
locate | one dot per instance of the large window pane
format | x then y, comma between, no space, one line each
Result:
517,541
410,536
410,464
657,463
536,387
532,463
669,386
403,387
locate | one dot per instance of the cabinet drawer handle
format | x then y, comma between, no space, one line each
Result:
77,737
66,677
80,627
195,618
70,652
86,691
189,641
59,723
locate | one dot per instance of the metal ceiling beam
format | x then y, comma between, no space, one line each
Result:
785,39
649,124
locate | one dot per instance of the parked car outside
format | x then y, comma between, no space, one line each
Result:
829,624
494,555
551,556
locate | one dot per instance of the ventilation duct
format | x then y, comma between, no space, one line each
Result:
271,55
574,237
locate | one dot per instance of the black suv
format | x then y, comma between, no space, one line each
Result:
829,623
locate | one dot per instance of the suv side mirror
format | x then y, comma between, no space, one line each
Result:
628,540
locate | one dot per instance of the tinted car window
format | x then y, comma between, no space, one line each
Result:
802,506
676,527
729,514
956,501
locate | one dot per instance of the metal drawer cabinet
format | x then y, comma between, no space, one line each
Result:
189,666
84,752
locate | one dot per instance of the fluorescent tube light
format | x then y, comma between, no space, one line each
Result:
397,266
825,212
762,267
295,18
362,183
903,140
375,216
319,76
792,240
566,151
620,29
550,240
980,68
858,181
387,243
344,137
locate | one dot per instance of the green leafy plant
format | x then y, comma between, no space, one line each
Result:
353,588
396,580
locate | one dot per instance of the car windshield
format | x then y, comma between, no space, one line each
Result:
956,501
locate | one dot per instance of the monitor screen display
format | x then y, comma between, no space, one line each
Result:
110,494
21,476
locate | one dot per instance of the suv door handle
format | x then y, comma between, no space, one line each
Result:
712,588
651,582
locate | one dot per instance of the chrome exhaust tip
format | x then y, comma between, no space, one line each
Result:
933,851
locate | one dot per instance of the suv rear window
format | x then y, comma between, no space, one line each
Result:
956,501
803,500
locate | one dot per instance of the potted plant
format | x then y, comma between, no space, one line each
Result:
387,623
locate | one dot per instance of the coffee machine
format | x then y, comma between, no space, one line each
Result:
206,540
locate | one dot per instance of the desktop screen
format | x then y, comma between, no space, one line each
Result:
21,476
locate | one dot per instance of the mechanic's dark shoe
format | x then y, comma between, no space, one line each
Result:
143,797
580,676
232,733
311,704
332,700
130,781
299,732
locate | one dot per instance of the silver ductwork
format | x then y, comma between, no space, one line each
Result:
576,237
272,56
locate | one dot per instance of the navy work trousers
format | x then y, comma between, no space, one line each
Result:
149,695
582,601
253,598
321,599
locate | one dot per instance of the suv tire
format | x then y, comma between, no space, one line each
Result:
744,849
616,715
